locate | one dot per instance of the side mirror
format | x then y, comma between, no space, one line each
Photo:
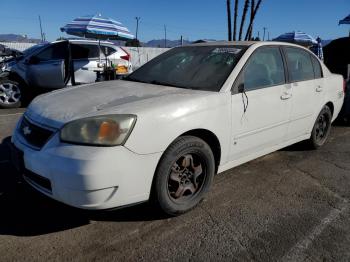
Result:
241,88
33,60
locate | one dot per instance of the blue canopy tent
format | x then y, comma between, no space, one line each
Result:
345,21
297,37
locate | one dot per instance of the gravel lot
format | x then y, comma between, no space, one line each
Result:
292,205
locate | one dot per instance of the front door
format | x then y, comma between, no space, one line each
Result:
49,68
260,114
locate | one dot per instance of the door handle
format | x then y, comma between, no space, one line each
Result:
319,89
286,96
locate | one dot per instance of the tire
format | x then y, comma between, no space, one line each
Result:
183,176
321,129
11,94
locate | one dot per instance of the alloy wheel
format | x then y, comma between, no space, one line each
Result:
322,127
186,178
9,93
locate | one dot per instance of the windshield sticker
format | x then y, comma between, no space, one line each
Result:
230,50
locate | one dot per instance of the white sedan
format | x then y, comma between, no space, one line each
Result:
164,132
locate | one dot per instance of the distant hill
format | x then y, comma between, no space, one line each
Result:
17,38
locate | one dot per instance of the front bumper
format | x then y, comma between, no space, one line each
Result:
89,177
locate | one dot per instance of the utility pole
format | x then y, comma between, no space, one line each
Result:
165,36
264,33
181,41
137,25
268,36
41,30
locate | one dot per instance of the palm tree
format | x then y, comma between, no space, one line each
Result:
235,20
250,27
228,4
245,11
252,7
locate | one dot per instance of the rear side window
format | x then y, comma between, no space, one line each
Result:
299,64
317,67
107,50
81,51
264,68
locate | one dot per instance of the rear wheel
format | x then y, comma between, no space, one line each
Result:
184,175
321,129
10,94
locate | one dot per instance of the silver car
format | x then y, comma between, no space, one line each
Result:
50,66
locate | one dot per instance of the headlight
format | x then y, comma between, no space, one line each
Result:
107,130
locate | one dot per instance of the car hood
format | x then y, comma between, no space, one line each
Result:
112,97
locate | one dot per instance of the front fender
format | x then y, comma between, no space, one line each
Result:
156,129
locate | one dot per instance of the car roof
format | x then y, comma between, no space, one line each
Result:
245,43
225,43
87,41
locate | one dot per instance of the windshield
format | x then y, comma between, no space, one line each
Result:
192,67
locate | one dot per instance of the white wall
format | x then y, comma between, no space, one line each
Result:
139,55
18,46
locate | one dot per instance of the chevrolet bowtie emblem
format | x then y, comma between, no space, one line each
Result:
26,131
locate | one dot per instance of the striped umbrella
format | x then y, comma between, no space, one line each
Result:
297,37
97,27
345,21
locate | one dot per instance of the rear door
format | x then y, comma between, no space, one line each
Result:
260,116
49,68
307,92
85,59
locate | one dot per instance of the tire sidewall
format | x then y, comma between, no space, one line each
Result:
182,146
18,103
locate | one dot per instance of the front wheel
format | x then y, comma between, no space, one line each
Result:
10,94
184,175
321,129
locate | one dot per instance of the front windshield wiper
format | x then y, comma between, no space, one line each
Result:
154,82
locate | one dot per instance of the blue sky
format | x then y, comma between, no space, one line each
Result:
194,19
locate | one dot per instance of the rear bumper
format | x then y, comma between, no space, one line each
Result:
88,177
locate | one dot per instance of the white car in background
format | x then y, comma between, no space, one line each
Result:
47,66
164,132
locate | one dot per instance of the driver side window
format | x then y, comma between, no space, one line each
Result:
264,68
56,51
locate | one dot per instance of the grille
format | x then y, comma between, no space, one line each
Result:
33,134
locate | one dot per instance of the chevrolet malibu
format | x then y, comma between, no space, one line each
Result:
162,134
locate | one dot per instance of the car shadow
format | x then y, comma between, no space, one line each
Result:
25,212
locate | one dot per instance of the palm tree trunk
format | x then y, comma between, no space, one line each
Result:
245,11
252,8
235,21
229,25
250,27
